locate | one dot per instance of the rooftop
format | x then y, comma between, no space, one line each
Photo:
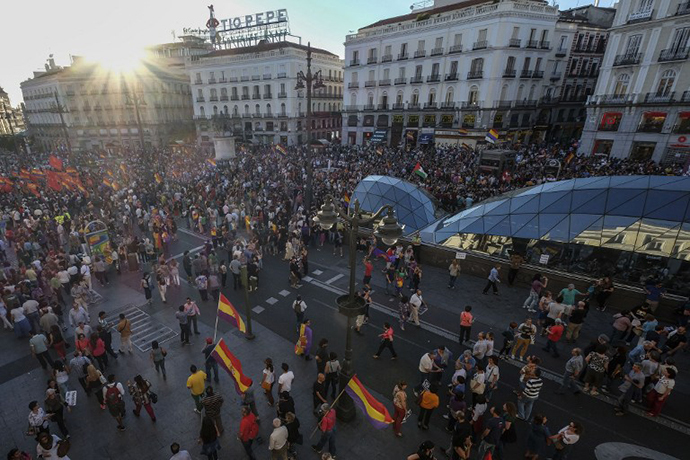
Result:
261,47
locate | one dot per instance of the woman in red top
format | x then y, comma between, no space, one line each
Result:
83,345
248,430
98,351
466,320
386,341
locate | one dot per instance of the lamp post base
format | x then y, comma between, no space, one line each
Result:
350,307
345,409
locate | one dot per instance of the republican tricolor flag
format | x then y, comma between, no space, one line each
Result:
232,365
375,412
281,149
227,312
492,136
211,162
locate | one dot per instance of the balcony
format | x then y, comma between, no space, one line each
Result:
685,97
549,100
480,45
385,82
436,51
398,106
545,45
282,75
256,96
455,49
561,52
671,54
430,106
657,98
416,79
640,16
372,60
256,115
400,81
525,104
353,84
267,76
244,78
234,97
471,105
448,106
475,74
369,107
268,96
198,81
224,98
627,59
386,58
354,62
200,99
222,80
256,78
538,74
351,108
532,44
509,73
413,106
369,83
402,56
433,78
232,79
452,76
282,95
526,74
420,54
555,76
615,99
213,99
503,104
211,81
245,97
514,43
683,8
382,107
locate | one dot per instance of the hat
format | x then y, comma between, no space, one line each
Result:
604,338
209,340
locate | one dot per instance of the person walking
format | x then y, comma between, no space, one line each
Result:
305,340
453,272
294,436
491,435
183,320
77,365
212,403
492,375
299,307
415,305
466,320
195,383
577,319
554,334
661,391
113,396
572,370
249,430
268,379
210,363
105,333
319,393
493,280
429,401
208,438
38,343
157,356
538,283
630,389
278,441
236,271
146,286
400,405
162,284
386,341
327,428
201,282
141,394
124,327
529,395
526,332
193,312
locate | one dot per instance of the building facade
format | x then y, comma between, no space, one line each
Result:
250,93
11,118
85,106
470,66
641,106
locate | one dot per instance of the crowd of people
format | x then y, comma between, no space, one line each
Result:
251,207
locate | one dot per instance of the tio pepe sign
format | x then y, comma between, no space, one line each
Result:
254,20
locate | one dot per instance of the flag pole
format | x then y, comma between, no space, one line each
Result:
329,408
215,328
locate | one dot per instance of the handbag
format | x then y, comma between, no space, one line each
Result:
63,447
153,397
31,430
101,378
265,385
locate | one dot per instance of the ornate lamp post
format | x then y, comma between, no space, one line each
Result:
311,82
351,304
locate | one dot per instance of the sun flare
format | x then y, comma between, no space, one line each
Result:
122,61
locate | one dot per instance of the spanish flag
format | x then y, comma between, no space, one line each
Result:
158,178
211,162
107,183
227,312
373,410
281,149
232,365
123,168
346,198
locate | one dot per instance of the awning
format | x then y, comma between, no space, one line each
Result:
426,138
379,136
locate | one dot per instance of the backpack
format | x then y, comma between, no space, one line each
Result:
113,396
297,307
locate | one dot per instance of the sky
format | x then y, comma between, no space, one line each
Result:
34,29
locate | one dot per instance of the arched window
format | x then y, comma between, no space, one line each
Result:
473,96
370,99
225,109
449,96
666,82
384,99
215,110
415,97
246,109
257,109
235,111
504,93
202,112
532,92
622,83
399,99
432,97
223,92
282,109
268,110
214,93
521,89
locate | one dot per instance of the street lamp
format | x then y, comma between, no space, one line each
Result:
351,305
310,81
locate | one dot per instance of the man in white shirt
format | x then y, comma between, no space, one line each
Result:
78,315
426,367
277,443
416,302
31,311
179,454
285,379
86,273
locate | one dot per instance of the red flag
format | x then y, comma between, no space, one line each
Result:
54,181
55,163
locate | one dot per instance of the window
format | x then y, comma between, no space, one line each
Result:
215,111
418,71
267,90
532,34
355,75
387,50
477,65
355,55
537,65
645,5
257,109
525,66
516,33
372,53
652,122
386,74
234,92
457,40
434,69
420,45
202,111
403,49
482,35
439,43
544,35
562,44
680,40
432,96
353,99
602,147
198,76
622,83
473,96
449,96
610,121
510,65
401,72
666,82
199,93
415,98
225,109
370,99
682,123
372,75
633,46
399,98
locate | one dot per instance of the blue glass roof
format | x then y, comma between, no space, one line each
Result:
646,214
414,207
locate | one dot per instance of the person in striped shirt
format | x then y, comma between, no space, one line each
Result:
529,395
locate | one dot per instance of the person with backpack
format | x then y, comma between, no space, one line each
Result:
249,430
113,393
146,286
124,327
158,355
299,307
142,396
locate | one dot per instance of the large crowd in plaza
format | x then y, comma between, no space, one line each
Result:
254,206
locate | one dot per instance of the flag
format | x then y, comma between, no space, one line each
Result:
123,168
33,188
409,136
107,183
158,178
211,162
55,163
419,171
115,186
25,174
281,149
492,136
71,170
346,198
466,146
462,131
227,312
54,181
110,173
376,252
373,410
232,365
569,158
38,172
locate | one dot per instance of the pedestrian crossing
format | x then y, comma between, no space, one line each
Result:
144,328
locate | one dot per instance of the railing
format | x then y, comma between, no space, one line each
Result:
268,96
398,106
545,45
549,100
222,80
282,95
267,76
369,83
245,97
473,75
683,8
430,106
200,99
480,45
382,107
244,78
232,79
234,97
615,99
224,98
420,54
555,76
400,81
448,106
504,104
256,96
526,74
351,108
627,59
413,106
525,104
198,82
538,74
354,62
509,73
640,16
455,49
514,43
353,84
385,82
656,98
532,44
402,56
386,58
369,107
416,79
256,77
211,81
436,51
282,75
372,60
471,104
560,52
674,54
433,78
452,76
